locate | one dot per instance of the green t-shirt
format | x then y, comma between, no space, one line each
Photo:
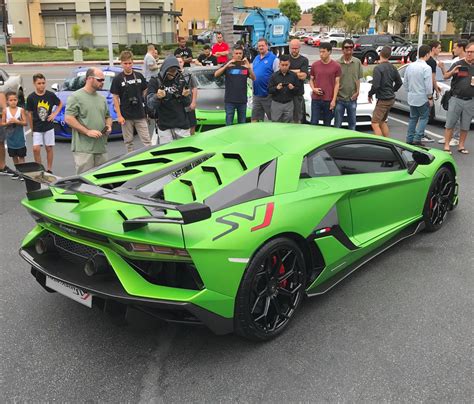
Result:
350,73
90,110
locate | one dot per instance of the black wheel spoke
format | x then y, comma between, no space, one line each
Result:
285,276
265,310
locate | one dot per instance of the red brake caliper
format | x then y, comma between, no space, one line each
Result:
281,271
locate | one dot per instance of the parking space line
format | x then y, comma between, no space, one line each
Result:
426,131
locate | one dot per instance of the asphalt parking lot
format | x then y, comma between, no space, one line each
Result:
398,329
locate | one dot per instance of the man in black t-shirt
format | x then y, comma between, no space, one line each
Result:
236,71
128,91
461,103
39,107
299,65
184,52
206,58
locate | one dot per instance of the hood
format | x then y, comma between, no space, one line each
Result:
169,62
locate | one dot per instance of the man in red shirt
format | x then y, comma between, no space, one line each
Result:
324,83
220,49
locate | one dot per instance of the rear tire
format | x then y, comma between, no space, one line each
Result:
439,200
371,57
271,290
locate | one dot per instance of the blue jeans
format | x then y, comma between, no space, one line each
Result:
320,110
419,117
230,109
341,107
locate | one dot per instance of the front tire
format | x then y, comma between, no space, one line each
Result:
271,290
439,200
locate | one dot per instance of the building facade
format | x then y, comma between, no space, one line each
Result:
199,15
50,22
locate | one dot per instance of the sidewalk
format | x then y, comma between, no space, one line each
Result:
70,63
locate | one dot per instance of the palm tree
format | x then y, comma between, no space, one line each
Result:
227,19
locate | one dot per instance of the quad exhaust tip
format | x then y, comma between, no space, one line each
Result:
96,265
44,245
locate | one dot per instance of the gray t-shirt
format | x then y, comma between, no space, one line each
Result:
147,62
90,110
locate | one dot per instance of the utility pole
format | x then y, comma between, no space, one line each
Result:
4,16
109,32
421,30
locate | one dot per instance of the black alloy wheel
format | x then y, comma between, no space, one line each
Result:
271,291
371,58
440,199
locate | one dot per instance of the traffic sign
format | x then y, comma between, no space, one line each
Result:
440,21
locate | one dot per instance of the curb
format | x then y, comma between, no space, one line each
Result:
68,63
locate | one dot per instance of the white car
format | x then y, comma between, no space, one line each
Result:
438,113
364,108
334,39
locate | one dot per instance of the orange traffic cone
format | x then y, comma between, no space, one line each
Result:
365,62
402,61
408,59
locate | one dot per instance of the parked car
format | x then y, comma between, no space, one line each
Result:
369,46
75,82
437,113
210,109
309,35
12,82
333,39
232,229
364,108
205,37
311,40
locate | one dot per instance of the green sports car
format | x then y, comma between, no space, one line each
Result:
231,228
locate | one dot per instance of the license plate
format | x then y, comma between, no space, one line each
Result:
70,291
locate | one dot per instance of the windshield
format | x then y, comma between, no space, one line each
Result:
205,79
77,81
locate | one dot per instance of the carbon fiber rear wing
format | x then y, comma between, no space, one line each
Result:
36,180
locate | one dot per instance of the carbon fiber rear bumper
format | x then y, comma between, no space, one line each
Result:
109,295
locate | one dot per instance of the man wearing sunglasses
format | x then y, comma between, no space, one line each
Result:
349,86
88,115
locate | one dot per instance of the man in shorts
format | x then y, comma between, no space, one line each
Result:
39,107
385,84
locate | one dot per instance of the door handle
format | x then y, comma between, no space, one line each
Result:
362,191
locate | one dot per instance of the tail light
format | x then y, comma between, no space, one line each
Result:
357,46
157,249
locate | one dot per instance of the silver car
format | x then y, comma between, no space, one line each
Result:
364,108
438,113
12,82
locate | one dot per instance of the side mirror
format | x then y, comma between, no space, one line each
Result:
55,87
420,159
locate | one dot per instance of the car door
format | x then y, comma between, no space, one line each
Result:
401,96
383,195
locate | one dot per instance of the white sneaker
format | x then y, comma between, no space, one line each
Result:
454,142
427,139
441,141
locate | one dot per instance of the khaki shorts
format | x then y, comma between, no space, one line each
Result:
86,161
381,110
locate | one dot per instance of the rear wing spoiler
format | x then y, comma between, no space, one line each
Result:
37,183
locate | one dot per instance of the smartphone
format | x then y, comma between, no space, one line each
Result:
105,130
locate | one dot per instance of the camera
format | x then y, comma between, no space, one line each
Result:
133,101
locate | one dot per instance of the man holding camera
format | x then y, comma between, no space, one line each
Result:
283,87
236,71
128,91
169,96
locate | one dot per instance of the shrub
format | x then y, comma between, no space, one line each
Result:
170,46
139,48
99,49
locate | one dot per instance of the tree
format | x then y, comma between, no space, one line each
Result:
363,9
292,10
459,14
322,15
352,21
227,19
80,38
337,10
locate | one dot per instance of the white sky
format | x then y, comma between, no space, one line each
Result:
305,4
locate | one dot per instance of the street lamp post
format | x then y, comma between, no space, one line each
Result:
421,30
109,32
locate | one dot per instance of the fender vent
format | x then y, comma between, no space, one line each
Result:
237,157
210,169
191,187
146,161
189,149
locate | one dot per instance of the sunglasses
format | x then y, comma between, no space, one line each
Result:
348,47
98,79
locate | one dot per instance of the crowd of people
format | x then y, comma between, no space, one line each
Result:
159,105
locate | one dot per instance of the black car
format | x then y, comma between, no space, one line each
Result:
369,46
